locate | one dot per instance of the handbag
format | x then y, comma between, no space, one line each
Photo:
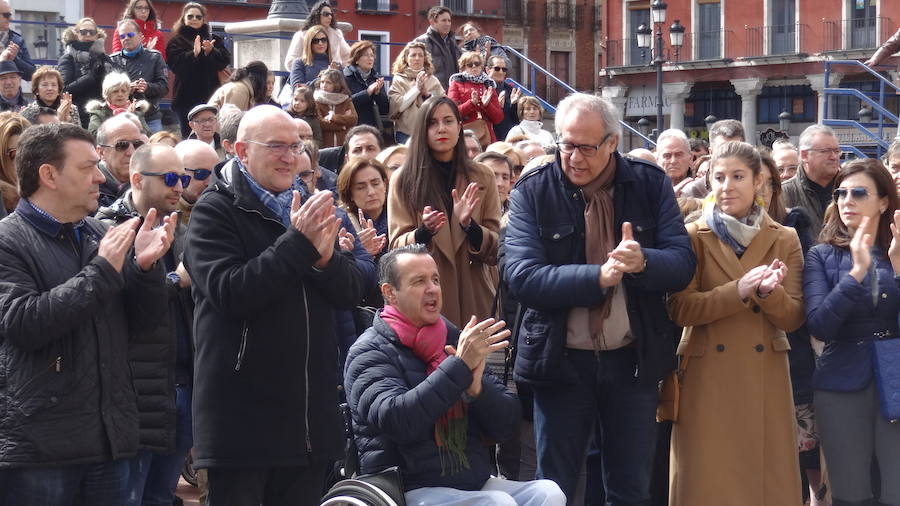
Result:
887,377
670,387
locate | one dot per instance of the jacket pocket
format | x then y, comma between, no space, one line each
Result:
534,333
780,342
644,231
559,241
242,348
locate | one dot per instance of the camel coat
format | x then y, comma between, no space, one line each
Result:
735,442
467,282
335,131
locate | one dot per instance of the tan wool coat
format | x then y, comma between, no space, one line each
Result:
335,131
735,442
466,275
406,100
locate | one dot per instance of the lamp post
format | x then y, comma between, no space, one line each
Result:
657,51
784,121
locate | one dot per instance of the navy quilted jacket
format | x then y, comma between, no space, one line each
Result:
839,311
394,404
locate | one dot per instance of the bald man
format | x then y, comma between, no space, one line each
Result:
199,159
267,278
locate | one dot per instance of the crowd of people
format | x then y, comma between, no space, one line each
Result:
496,309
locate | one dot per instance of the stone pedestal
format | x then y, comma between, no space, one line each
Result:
749,89
266,40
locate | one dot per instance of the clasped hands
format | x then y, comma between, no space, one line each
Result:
317,220
762,279
627,257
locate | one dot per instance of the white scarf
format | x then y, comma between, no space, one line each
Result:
330,97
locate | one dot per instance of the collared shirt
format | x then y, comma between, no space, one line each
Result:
43,222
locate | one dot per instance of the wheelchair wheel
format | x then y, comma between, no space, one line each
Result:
188,472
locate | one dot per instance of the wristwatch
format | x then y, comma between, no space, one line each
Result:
175,279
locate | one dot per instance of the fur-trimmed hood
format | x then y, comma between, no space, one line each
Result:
70,35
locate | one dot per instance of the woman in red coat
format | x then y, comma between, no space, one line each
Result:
143,13
473,92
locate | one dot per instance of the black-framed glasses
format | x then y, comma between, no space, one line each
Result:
123,145
326,14
473,64
858,194
87,32
200,174
587,150
191,17
123,36
320,40
501,69
7,15
171,178
279,149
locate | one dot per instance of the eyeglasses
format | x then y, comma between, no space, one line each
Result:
297,148
123,145
171,178
205,121
123,36
142,8
858,193
826,151
326,14
87,32
587,150
500,69
320,40
7,15
473,64
306,173
200,174
191,17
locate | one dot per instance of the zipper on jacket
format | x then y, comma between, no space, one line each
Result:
58,364
243,347
306,373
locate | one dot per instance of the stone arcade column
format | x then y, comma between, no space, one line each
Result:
676,93
749,89
817,83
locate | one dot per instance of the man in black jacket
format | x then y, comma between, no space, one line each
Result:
71,293
441,43
165,433
266,280
146,69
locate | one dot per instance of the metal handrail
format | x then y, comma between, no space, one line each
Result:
879,106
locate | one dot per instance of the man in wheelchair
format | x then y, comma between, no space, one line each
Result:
421,399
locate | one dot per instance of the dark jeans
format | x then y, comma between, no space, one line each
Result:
608,397
153,477
86,484
269,486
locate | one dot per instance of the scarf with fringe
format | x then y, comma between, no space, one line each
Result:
469,78
736,233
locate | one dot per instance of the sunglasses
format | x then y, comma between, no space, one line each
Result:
171,178
321,40
123,145
191,17
200,174
473,64
7,15
854,193
500,69
86,32
123,36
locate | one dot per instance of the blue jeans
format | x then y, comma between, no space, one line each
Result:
102,483
608,397
153,477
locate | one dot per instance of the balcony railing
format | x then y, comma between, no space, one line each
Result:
706,45
376,6
777,40
863,33
562,14
513,12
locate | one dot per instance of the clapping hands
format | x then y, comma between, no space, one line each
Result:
317,221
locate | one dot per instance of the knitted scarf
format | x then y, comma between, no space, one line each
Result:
600,239
469,78
117,110
736,233
331,98
427,344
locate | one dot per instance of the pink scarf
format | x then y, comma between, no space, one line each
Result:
427,344
116,110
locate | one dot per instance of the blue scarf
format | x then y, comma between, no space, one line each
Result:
280,203
132,54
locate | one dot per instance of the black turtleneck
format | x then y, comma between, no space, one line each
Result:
473,231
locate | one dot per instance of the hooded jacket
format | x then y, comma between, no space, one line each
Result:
83,67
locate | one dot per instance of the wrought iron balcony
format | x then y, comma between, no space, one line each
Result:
775,40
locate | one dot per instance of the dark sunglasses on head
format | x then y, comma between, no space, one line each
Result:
171,178
124,36
123,145
500,69
191,17
7,15
473,64
87,32
855,193
320,40
200,174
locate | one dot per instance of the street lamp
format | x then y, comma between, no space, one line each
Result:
644,126
709,120
865,115
784,121
40,48
644,35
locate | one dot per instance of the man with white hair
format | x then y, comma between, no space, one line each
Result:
810,189
673,154
594,242
787,158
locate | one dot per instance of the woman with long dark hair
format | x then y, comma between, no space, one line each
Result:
196,56
321,14
852,302
246,87
144,15
444,200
